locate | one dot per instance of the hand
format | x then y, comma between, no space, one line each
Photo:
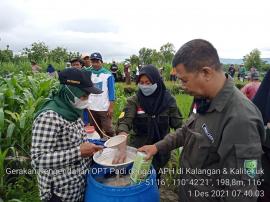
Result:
121,153
88,149
150,150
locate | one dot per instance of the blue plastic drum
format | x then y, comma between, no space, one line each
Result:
98,192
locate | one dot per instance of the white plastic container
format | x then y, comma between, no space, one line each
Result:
92,133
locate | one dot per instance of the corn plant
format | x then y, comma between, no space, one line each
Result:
3,155
20,97
120,102
184,103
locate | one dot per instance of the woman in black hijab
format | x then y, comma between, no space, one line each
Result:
262,101
149,114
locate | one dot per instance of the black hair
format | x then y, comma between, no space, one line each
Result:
196,54
76,60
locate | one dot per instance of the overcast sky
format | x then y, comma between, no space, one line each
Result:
120,28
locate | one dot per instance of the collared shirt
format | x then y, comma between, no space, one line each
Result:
105,82
227,136
56,156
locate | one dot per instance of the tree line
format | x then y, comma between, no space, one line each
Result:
40,52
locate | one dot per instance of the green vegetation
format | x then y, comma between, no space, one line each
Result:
22,93
20,97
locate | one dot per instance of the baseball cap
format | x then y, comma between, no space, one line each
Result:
78,78
84,55
96,56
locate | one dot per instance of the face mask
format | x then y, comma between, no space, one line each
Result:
78,103
148,89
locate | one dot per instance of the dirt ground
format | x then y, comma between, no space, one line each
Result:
167,195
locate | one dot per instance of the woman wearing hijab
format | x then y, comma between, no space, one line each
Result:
149,114
262,101
58,152
51,70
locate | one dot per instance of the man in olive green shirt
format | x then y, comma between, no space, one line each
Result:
221,159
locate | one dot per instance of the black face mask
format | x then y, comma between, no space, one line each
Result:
202,105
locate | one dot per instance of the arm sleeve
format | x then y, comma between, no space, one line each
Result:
240,144
171,141
125,122
111,88
176,139
43,154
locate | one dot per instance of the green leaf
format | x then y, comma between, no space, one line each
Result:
22,122
13,115
2,99
2,119
10,130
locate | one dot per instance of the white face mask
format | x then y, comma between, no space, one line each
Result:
78,103
148,89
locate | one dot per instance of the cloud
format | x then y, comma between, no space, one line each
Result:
120,28
107,44
90,26
10,16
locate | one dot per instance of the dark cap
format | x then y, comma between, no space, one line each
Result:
96,56
78,78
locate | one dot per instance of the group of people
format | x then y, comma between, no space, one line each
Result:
127,75
227,131
243,74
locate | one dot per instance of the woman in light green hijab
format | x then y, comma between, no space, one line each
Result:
57,141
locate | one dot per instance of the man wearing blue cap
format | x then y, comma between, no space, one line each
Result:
101,106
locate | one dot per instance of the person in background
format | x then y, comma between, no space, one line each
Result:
86,66
114,69
241,72
231,70
86,62
51,71
127,73
173,75
224,135
68,65
76,63
161,70
138,68
262,101
35,68
58,151
253,69
149,115
251,88
101,106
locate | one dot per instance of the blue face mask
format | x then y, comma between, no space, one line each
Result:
148,89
